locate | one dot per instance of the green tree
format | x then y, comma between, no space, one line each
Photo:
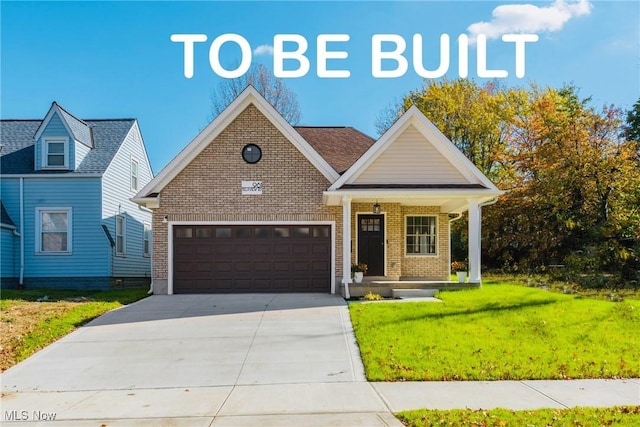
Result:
571,172
632,128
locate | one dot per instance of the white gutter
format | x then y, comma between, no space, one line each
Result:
489,202
21,280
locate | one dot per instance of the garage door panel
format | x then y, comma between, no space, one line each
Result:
262,249
320,249
243,285
223,267
281,248
300,266
281,266
300,250
252,258
222,249
243,267
182,267
242,250
262,266
203,267
262,285
320,266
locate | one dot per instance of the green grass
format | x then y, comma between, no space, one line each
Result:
576,417
501,332
29,325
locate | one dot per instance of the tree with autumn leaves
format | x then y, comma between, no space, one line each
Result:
571,172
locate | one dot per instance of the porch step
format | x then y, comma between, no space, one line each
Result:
413,293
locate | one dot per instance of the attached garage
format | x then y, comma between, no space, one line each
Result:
222,258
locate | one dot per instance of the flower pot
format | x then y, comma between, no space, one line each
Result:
462,276
357,276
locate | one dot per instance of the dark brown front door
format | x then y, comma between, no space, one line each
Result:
251,258
371,243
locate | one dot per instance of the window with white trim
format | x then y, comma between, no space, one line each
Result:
146,240
120,235
55,153
134,174
421,234
53,230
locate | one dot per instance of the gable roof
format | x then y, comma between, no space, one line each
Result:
248,96
340,146
432,135
79,129
17,155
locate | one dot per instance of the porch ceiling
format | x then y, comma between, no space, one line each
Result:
449,200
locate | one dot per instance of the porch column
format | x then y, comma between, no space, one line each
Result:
474,241
346,244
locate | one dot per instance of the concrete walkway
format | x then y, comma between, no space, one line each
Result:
244,360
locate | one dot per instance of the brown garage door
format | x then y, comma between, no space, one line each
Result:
251,258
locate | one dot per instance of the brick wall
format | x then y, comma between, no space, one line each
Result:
428,266
209,188
398,263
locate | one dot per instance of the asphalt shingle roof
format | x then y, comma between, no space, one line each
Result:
339,146
80,129
17,156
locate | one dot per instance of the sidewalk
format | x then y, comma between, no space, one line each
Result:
516,395
319,404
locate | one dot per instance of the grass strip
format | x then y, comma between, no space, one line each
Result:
582,417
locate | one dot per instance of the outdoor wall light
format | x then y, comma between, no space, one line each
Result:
376,208
165,219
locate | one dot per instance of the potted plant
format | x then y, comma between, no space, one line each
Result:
358,271
460,268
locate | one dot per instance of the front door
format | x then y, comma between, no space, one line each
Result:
371,243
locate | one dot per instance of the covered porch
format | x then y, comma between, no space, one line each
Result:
403,235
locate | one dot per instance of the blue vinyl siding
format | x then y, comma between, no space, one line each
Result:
55,127
116,187
90,247
10,244
9,264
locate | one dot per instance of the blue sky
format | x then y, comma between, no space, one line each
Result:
116,59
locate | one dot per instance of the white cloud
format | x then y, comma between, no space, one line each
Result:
263,49
528,18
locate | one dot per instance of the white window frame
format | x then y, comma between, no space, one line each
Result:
123,234
406,235
146,239
135,176
39,212
45,152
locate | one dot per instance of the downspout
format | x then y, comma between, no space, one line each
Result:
455,218
21,279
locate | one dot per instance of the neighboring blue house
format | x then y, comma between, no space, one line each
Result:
67,220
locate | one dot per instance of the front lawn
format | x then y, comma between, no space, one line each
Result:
501,332
584,417
29,325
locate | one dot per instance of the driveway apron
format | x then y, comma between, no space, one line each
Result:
203,360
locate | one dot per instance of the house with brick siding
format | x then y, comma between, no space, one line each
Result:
253,204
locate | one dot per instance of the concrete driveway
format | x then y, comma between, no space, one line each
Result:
256,359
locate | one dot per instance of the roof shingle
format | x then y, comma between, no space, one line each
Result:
340,146
17,156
